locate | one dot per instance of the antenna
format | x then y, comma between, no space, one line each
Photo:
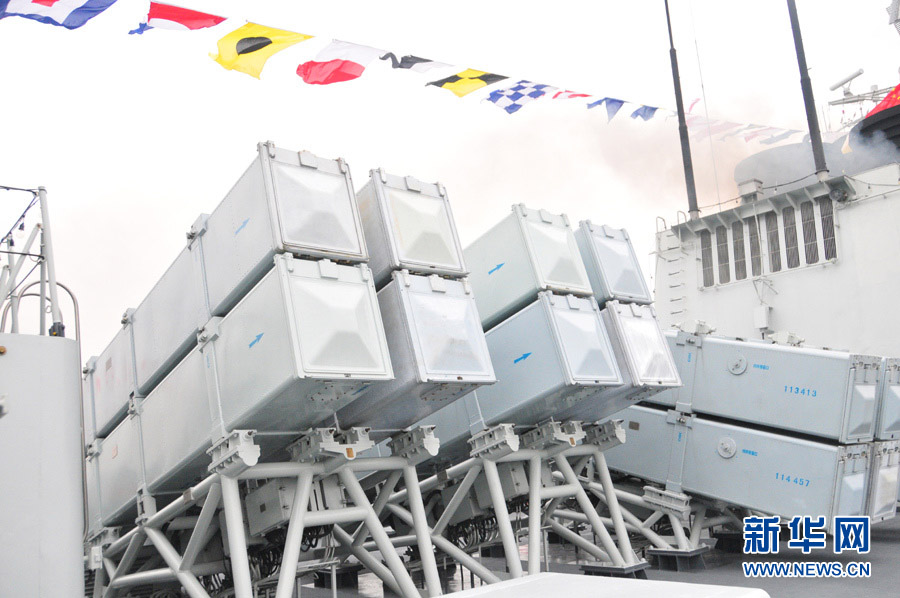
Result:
815,136
693,210
845,82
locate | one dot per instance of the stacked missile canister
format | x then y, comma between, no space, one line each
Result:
302,323
267,320
540,286
776,428
573,340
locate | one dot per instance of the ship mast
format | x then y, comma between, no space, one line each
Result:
693,210
815,136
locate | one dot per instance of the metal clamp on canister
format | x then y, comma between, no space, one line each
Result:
494,443
669,502
234,453
417,445
323,442
605,435
553,433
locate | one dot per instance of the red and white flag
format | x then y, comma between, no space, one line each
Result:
168,16
569,95
338,61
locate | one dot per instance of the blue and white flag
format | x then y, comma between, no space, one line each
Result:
612,106
70,14
513,98
644,112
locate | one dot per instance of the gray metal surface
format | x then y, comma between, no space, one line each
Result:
165,324
408,225
551,357
887,426
437,348
108,384
611,264
92,495
40,469
829,394
884,480
643,357
758,470
554,353
527,252
299,345
120,471
177,426
285,202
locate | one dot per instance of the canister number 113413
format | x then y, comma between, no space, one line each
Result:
799,390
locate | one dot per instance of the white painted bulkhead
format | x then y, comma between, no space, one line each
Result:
41,504
833,290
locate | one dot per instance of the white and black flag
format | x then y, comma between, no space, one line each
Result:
413,63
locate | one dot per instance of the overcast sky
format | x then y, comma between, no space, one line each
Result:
134,136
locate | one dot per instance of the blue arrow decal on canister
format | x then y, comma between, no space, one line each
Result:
522,358
495,268
241,227
256,340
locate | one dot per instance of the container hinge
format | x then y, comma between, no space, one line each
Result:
380,173
546,216
669,502
146,506
606,435
197,229
438,284
134,405
90,367
442,191
553,433
128,316
209,332
270,148
93,450
495,442
413,184
417,445
97,543
234,453
308,159
572,302
467,287
675,417
694,328
342,165
322,442
328,269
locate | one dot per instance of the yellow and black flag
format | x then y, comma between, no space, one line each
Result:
467,81
247,48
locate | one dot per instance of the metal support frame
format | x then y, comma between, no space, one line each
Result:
323,454
235,459
688,523
552,444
